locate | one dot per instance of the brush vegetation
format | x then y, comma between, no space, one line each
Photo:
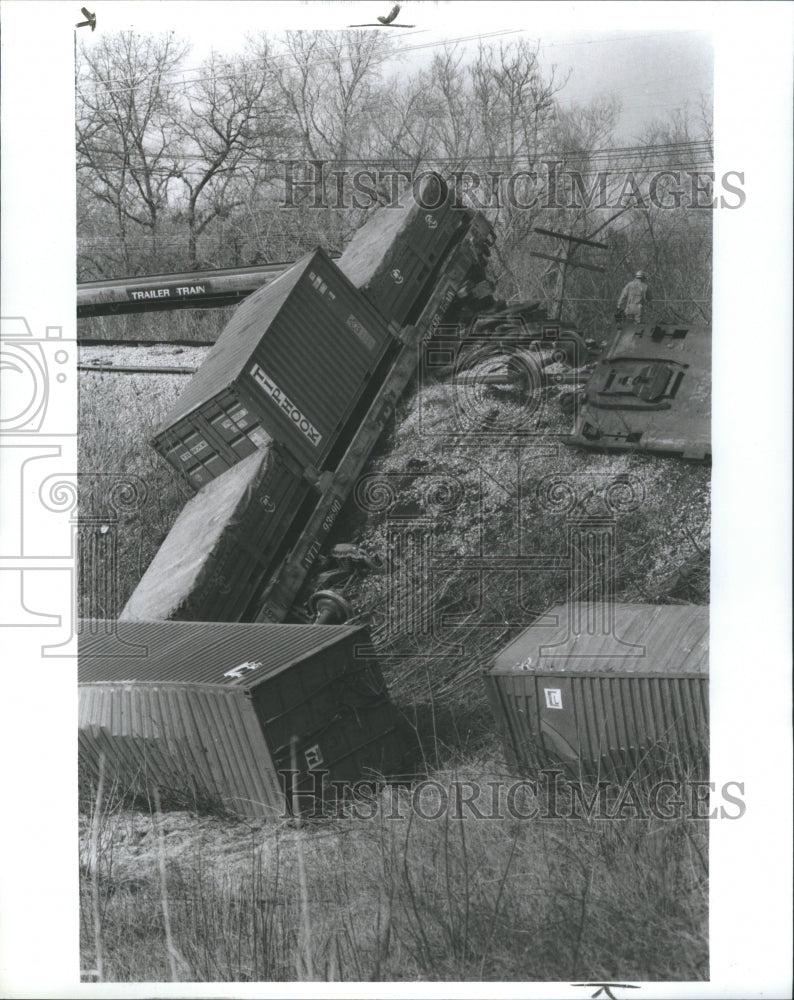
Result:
192,894
198,897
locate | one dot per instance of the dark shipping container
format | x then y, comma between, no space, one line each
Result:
214,439
633,700
293,362
394,256
224,542
155,698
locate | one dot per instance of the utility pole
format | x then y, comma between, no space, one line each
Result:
574,242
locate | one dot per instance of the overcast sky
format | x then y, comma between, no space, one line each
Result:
629,49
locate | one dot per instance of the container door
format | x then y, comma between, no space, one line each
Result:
557,718
196,458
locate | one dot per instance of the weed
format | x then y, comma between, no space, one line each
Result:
408,898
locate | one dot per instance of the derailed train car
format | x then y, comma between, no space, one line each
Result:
291,364
315,410
614,702
271,432
299,354
651,392
253,718
394,258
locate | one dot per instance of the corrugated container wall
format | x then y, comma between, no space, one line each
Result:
187,699
224,542
613,705
296,357
393,257
200,745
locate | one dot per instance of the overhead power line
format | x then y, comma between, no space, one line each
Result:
693,147
317,59
701,167
328,55
656,149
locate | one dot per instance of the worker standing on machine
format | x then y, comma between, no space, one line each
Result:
634,298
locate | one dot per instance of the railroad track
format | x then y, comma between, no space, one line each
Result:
139,369
138,341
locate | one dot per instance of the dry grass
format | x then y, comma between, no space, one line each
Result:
117,416
188,325
410,899
398,899
481,496
661,547
497,470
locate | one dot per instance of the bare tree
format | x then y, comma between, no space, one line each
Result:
232,122
676,240
402,130
515,102
126,109
327,80
585,203
449,109
515,118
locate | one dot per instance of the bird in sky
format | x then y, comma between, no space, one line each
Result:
391,16
90,19
385,22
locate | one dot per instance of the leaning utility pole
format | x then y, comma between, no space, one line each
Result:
574,242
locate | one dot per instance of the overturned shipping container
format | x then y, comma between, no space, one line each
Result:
395,256
225,540
291,365
216,713
628,694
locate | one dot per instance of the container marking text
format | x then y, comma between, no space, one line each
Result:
284,403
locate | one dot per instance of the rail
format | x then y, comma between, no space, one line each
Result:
139,369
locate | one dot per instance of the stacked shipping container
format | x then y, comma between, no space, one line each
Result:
290,365
292,374
395,255
223,542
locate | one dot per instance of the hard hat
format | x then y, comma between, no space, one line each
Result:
640,274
